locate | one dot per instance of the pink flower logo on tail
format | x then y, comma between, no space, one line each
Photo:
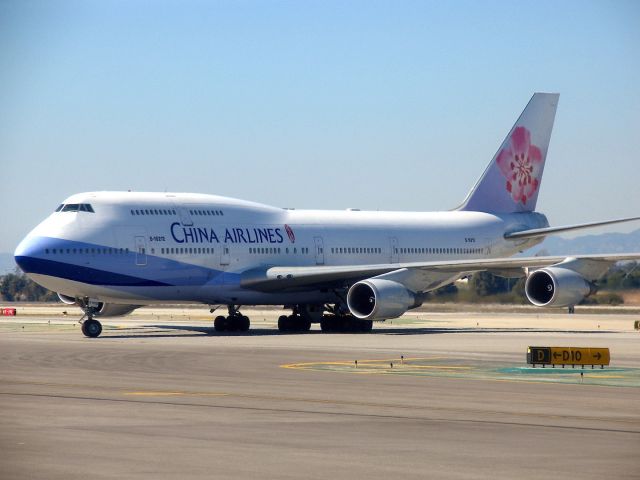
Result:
521,164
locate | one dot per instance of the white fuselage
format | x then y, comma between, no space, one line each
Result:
140,248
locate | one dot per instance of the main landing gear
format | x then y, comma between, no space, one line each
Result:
293,323
344,324
300,319
337,321
234,322
90,327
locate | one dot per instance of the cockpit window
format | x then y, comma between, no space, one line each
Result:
76,207
59,207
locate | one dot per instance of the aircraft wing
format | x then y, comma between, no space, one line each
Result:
418,276
543,232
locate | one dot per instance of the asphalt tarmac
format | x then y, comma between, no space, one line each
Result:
162,396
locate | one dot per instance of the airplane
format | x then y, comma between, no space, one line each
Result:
112,252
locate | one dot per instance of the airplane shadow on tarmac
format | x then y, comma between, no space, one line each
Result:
163,331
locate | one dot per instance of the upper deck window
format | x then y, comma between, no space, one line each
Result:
76,207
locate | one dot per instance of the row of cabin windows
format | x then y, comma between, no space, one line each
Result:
183,250
438,250
206,213
75,207
171,211
276,250
347,250
86,251
153,211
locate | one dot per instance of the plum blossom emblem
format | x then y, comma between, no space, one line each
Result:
290,234
521,164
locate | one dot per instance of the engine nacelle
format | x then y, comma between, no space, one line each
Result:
66,299
379,299
557,287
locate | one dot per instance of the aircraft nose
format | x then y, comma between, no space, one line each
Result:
29,253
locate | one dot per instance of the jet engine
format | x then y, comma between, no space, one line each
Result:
101,309
379,299
557,287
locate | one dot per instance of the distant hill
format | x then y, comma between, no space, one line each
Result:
602,243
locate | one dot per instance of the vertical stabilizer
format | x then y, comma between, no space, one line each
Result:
512,180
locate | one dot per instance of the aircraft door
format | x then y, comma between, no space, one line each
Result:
393,245
224,255
141,251
486,246
185,217
319,250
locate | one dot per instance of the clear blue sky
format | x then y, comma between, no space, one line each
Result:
313,104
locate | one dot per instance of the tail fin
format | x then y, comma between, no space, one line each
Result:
512,180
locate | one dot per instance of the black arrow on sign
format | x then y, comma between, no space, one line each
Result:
598,355
556,354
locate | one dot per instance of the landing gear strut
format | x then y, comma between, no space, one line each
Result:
234,322
90,328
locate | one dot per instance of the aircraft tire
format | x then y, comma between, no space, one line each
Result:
304,325
365,326
91,328
244,323
220,324
329,324
284,324
234,323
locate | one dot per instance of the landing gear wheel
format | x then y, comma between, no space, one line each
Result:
329,324
365,326
344,324
304,325
91,328
284,323
243,323
232,324
220,324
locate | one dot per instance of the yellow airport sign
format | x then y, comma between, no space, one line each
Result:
579,356
568,356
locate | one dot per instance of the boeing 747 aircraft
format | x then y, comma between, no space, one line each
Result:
111,252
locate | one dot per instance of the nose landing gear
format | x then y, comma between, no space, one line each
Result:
90,327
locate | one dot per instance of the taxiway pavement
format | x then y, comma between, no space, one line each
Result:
165,398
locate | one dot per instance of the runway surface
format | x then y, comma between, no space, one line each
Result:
162,396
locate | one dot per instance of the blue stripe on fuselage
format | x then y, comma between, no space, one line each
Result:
108,269
78,273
